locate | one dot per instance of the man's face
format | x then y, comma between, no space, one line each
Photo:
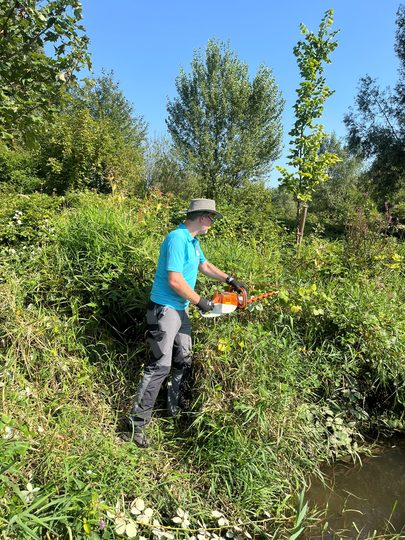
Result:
206,222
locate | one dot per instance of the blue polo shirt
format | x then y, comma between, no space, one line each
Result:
179,252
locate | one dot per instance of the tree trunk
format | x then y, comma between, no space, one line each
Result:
302,208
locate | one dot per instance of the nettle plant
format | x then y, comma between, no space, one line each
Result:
309,165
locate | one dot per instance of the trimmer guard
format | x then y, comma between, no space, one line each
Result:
220,309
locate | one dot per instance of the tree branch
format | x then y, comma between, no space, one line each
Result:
394,134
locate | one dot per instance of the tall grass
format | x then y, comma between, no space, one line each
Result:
275,390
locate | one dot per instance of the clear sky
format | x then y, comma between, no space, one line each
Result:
146,41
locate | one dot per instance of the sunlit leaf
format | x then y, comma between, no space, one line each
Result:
139,504
295,309
120,526
216,514
131,529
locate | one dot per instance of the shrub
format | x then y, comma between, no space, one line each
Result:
18,171
27,219
79,152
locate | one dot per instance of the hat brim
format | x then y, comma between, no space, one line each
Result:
218,215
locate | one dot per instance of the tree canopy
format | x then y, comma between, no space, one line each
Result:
224,126
105,101
376,127
42,45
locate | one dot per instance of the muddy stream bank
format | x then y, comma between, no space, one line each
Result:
363,499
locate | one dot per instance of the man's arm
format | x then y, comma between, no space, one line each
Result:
212,271
181,287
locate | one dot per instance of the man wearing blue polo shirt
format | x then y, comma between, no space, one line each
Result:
169,329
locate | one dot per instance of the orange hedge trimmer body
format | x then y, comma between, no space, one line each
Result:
228,301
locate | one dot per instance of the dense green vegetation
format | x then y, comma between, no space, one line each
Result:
305,377
299,379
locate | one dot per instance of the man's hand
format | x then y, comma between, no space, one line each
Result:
237,285
205,305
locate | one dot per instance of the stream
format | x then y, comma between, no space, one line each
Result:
362,499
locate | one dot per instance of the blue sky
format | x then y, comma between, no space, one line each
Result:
145,42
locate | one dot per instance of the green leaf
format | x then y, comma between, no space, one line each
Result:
297,534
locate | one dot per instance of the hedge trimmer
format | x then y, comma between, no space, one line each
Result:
228,301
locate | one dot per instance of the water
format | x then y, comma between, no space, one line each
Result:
363,498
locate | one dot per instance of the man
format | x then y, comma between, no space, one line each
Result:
169,329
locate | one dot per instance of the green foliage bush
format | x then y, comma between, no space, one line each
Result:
278,388
79,152
18,171
27,219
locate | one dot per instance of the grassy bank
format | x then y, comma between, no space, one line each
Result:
299,379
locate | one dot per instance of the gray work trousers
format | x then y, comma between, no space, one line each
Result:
169,340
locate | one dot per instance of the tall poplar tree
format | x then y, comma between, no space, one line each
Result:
225,128
309,165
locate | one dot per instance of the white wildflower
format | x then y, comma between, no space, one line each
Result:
8,433
137,506
148,512
143,520
203,534
29,493
182,518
